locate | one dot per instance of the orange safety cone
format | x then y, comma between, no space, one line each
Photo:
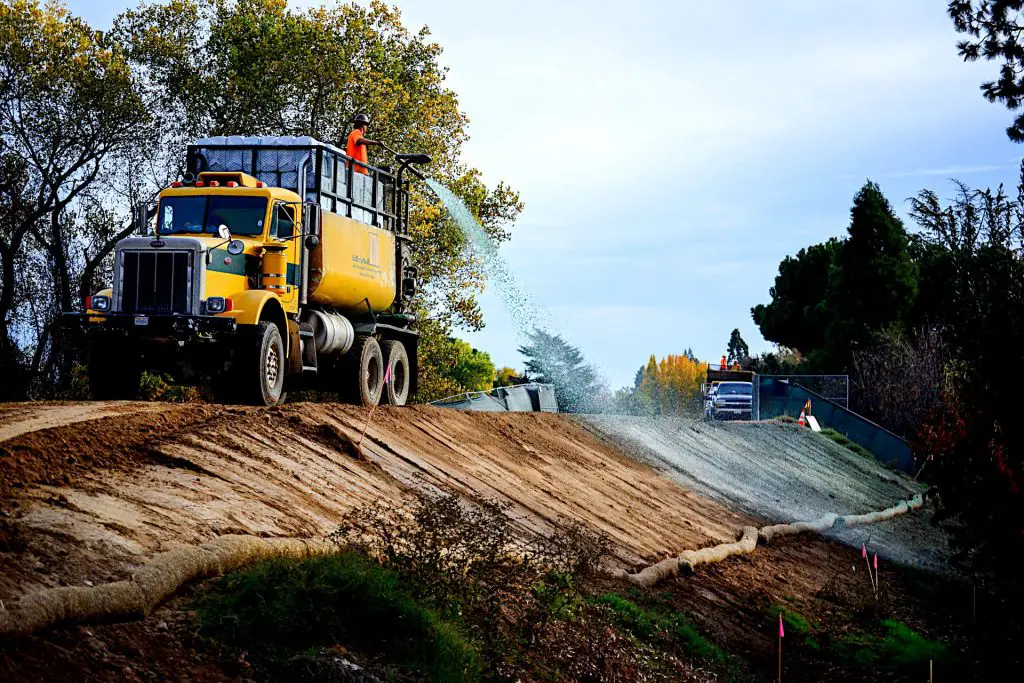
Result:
803,418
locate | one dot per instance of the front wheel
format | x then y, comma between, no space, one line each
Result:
260,366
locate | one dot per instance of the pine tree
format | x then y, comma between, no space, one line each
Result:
552,360
738,351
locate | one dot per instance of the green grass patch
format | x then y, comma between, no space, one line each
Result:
650,625
845,442
284,608
897,647
795,623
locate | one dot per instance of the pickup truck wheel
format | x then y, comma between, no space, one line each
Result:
396,391
260,365
114,372
363,375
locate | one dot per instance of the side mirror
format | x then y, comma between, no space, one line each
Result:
236,247
142,212
312,242
223,231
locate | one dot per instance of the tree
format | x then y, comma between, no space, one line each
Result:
974,443
994,30
797,315
68,103
873,281
473,370
552,360
738,351
899,380
255,65
506,377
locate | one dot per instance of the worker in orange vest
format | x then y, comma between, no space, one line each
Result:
357,144
723,364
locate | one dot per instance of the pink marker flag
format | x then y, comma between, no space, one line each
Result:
387,374
782,631
876,562
863,551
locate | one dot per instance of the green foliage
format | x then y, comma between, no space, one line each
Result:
737,349
506,377
798,314
796,623
899,647
552,360
473,370
120,106
459,559
873,281
155,387
993,30
974,439
834,296
653,624
845,442
282,608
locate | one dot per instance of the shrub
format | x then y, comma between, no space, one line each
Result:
283,608
459,558
650,625
845,442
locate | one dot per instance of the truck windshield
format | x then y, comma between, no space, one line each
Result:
198,214
735,389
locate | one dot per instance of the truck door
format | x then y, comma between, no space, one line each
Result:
284,227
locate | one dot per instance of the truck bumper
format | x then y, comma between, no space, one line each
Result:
732,413
178,327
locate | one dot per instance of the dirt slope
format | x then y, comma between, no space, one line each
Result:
89,499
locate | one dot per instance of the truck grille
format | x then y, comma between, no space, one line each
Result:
156,282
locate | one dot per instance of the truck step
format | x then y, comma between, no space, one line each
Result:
309,368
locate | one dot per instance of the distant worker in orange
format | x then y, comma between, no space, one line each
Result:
735,365
723,364
357,144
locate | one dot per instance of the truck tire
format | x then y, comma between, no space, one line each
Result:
114,372
259,365
396,392
363,375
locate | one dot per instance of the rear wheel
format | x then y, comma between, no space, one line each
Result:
114,371
396,389
363,375
259,366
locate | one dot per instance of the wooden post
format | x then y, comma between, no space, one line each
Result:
782,634
931,672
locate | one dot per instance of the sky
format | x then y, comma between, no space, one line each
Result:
670,153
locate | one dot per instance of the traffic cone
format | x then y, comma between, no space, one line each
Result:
803,418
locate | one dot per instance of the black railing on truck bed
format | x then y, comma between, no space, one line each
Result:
317,171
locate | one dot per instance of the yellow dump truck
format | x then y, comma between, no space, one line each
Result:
276,263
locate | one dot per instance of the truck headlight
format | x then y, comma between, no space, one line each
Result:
218,304
98,303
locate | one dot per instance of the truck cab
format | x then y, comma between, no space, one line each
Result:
275,263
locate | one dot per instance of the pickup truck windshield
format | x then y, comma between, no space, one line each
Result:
735,389
198,214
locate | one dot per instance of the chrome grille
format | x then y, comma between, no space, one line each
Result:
156,282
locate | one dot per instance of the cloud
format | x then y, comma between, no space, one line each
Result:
948,171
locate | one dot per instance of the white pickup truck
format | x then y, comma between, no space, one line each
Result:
730,401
